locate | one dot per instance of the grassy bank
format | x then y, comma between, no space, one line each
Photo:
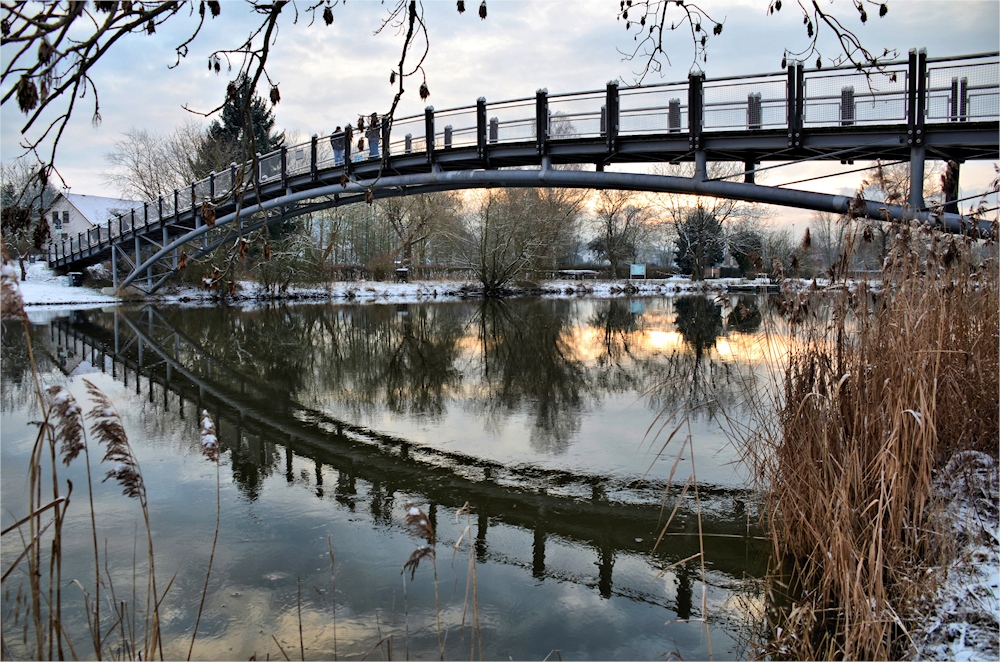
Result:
877,398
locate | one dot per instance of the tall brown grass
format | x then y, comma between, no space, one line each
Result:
877,397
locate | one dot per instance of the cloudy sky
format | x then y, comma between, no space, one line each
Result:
328,75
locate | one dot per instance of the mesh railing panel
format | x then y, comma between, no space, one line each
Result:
752,104
203,189
463,127
223,183
299,158
851,97
963,91
515,120
324,153
658,109
576,115
269,166
415,126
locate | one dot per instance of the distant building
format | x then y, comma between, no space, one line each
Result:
73,214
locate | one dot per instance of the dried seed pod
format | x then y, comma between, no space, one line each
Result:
208,213
482,10
275,95
461,6
327,15
424,92
27,94
45,51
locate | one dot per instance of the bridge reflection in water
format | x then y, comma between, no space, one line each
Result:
268,431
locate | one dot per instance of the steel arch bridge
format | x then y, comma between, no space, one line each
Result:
910,110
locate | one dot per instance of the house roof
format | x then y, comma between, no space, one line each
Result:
97,209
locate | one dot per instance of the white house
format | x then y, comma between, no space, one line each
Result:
72,214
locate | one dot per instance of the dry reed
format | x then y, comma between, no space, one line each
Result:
63,435
875,401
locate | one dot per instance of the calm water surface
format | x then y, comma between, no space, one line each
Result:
541,415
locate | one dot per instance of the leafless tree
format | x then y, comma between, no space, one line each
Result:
652,22
622,223
145,165
416,219
828,233
676,206
511,233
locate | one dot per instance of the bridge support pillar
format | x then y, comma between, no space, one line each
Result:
700,165
918,155
138,250
950,186
114,268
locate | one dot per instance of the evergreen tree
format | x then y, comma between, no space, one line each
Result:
227,140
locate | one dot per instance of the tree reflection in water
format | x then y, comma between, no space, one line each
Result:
527,358
745,316
698,382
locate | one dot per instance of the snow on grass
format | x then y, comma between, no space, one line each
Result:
963,623
44,288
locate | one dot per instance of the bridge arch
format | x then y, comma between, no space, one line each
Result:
432,182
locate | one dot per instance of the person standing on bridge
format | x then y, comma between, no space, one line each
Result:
337,142
372,135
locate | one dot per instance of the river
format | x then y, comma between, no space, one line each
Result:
546,441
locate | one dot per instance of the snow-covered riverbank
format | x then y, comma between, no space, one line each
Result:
45,288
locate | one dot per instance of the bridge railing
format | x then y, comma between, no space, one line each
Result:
580,115
407,136
299,158
845,97
514,120
653,109
759,102
455,128
963,90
